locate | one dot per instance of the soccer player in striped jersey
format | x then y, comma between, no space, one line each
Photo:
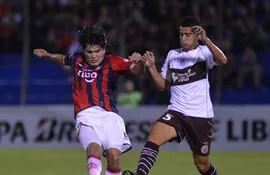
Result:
190,112
99,127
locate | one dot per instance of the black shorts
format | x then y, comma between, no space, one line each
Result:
197,131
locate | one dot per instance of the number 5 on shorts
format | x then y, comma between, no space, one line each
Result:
167,117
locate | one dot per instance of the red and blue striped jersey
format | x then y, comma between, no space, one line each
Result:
92,86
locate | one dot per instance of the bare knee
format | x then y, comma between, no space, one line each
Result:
113,161
161,133
202,163
94,150
153,137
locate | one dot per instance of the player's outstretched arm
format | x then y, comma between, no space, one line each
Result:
58,58
149,61
137,66
217,53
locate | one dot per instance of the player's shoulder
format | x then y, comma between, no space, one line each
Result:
78,56
203,48
115,58
79,53
174,52
70,58
112,56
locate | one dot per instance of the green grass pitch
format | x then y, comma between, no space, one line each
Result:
73,162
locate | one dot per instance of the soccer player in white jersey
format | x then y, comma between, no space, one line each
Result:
190,111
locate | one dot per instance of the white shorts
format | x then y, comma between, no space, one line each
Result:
104,128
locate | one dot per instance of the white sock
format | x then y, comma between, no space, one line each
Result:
94,166
114,173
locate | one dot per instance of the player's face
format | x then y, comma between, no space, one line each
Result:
94,54
188,39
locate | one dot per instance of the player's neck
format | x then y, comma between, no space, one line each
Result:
194,46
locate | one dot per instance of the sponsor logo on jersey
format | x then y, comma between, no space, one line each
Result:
88,75
189,74
182,77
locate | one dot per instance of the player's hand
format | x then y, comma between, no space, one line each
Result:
135,57
41,53
149,59
200,33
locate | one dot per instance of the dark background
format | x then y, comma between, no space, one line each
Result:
239,27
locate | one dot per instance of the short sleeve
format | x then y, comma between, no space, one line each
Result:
70,58
119,64
166,67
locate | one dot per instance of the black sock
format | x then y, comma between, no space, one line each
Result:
210,171
148,158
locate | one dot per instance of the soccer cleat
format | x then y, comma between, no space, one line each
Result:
127,172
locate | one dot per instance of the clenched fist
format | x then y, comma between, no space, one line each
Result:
41,53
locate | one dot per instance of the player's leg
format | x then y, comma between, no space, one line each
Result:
90,136
199,135
203,165
160,134
113,160
116,142
91,144
167,128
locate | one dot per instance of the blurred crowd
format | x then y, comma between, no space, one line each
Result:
239,27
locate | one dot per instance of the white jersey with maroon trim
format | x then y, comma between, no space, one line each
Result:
187,75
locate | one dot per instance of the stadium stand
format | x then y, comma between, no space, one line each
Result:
131,25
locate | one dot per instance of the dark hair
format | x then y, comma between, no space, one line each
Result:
189,21
92,35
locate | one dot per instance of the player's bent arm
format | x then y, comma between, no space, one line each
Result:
217,53
158,79
137,68
58,58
